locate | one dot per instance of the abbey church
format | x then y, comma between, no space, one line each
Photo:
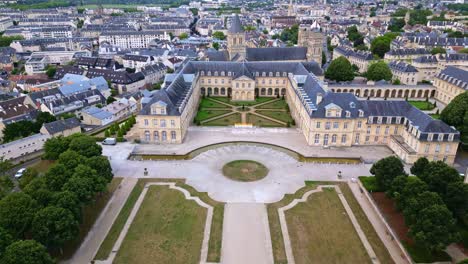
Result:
309,49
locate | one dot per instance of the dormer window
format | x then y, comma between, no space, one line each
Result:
450,137
338,113
440,137
398,120
379,120
361,113
430,136
389,120
348,114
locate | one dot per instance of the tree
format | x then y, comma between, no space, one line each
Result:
397,186
216,46
396,25
340,70
353,33
50,71
387,169
419,166
99,183
26,252
39,191
413,186
219,35
86,146
16,213
6,41
456,197
102,166
82,187
434,228
5,240
6,185
53,226
110,100
44,117
28,175
71,159
415,204
380,46
438,50
55,146
69,201
456,114
464,50
290,34
57,176
183,36
379,71
438,175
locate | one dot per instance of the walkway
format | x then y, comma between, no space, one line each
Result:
246,234
101,227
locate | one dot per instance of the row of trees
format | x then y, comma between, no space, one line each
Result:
341,70
46,213
120,129
456,114
26,128
428,201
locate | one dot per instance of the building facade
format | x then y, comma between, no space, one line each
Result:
449,83
312,38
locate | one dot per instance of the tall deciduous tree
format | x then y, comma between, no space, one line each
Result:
26,252
387,169
419,166
16,213
55,146
5,240
438,175
53,226
86,146
379,71
340,70
67,200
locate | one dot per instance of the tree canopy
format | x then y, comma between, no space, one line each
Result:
381,45
387,169
26,252
379,71
219,35
456,114
340,70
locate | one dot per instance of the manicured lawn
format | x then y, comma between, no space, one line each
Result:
245,170
422,105
279,115
262,122
246,103
321,231
278,104
229,120
214,248
167,229
369,183
90,214
435,116
207,114
207,103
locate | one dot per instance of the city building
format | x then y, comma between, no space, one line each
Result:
449,83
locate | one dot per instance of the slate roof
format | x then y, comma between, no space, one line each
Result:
276,54
402,66
61,125
403,52
15,107
236,25
426,59
455,76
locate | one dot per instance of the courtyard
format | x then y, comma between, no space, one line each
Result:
263,112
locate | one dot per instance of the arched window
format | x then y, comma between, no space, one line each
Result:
147,135
156,136
334,138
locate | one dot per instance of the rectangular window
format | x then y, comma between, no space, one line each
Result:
146,122
317,125
155,122
395,131
368,129
317,138
345,126
387,128
343,139
376,138
437,148
359,124
163,123
335,125
367,138
447,148
327,125
377,130
426,148
356,138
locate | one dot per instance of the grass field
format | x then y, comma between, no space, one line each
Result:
262,122
167,228
246,103
207,114
278,104
279,115
277,237
207,103
321,231
229,120
214,248
90,214
435,116
245,170
422,105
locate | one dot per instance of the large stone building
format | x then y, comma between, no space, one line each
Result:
449,83
312,38
325,118
236,39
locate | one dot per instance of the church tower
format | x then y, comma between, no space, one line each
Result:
236,39
291,8
311,38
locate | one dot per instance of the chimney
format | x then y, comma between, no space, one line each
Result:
319,98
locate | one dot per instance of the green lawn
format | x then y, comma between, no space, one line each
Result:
422,105
167,228
90,214
258,100
245,170
207,114
214,248
369,183
278,104
207,103
262,122
435,116
229,120
313,229
279,115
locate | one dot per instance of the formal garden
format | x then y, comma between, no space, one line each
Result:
263,112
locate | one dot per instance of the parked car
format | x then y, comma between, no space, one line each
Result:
19,173
109,141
